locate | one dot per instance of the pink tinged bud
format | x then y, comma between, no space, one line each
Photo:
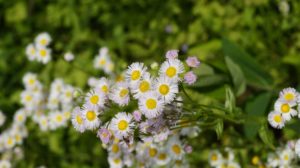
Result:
190,78
104,135
172,54
137,115
192,62
188,149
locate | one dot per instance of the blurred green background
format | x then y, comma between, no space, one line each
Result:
266,31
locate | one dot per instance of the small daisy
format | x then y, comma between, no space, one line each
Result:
286,109
115,162
43,55
215,158
192,62
162,158
171,69
143,86
190,78
122,125
69,56
5,164
120,94
30,80
31,52
152,151
151,105
43,122
90,117
43,40
289,95
56,120
20,117
286,156
9,141
77,120
135,72
100,61
95,98
166,89
172,54
104,135
276,120
175,148
114,149
103,85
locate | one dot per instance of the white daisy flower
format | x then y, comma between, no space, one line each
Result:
215,158
285,156
43,40
166,89
20,117
297,147
95,99
9,141
122,125
53,101
115,162
77,120
2,118
100,61
276,120
272,160
90,117
143,86
5,164
17,136
109,67
57,85
175,148
289,95
120,94
171,69
43,122
162,158
31,52
135,72
103,85
152,151
286,109
67,94
151,105
30,80
43,55
69,56
57,120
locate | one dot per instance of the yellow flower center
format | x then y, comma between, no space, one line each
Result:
18,137
122,125
176,149
164,89
102,61
286,157
91,115
152,152
32,51
104,88
255,160
79,119
135,75
31,81
9,141
144,86
94,99
151,104
162,156
277,118
68,94
285,108
123,92
59,118
43,52
117,161
20,117
289,97
115,148
171,71
43,42
28,98
214,157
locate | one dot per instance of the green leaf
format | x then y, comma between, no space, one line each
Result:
237,75
266,135
219,128
209,80
256,108
230,99
254,74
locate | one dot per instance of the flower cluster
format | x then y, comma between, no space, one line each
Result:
103,61
143,136
284,108
217,159
50,110
39,50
